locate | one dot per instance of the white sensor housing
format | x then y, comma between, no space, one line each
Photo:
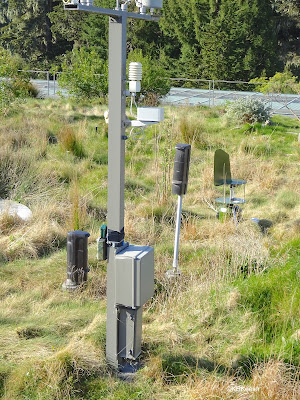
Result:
150,114
135,77
135,71
152,3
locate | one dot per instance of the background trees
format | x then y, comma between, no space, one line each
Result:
26,29
219,39
288,30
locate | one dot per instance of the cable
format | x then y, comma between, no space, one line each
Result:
132,102
141,131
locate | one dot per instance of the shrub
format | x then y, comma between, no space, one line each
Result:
279,83
14,84
248,110
84,74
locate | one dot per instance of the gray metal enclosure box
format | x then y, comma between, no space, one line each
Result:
134,276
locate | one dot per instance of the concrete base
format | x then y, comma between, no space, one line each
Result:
173,274
69,285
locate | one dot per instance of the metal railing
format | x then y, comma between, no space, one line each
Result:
218,92
46,82
207,92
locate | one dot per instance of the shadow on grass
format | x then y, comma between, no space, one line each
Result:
79,117
177,368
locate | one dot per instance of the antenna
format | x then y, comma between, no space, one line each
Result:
222,177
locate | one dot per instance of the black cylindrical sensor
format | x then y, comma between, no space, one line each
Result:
181,168
77,259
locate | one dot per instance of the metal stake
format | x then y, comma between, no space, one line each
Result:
177,232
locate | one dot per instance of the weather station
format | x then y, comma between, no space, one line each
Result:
130,268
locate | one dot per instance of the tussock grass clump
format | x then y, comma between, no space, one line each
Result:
258,146
69,141
60,376
32,240
276,381
191,132
9,222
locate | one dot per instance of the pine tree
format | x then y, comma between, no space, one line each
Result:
183,23
288,28
223,39
27,29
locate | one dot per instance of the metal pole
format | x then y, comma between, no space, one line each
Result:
116,128
116,176
177,232
54,84
124,317
48,88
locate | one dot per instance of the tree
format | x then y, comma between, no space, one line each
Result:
27,29
154,82
238,43
3,13
221,39
288,28
183,23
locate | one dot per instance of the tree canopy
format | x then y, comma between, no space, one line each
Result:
216,39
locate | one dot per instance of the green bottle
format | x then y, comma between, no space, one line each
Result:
102,244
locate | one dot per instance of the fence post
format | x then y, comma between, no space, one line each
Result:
48,83
54,77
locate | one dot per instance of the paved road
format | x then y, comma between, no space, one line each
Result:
279,103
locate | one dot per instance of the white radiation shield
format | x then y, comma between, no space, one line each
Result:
152,3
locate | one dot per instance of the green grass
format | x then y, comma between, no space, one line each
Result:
274,300
235,312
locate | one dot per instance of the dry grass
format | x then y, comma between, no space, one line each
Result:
56,374
271,381
195,330
276,381
43,233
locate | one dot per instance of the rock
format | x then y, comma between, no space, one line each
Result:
14,208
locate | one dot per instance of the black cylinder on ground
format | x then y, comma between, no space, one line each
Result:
181,168
77,258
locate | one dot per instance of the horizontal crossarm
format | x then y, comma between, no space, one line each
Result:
110,12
